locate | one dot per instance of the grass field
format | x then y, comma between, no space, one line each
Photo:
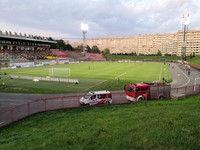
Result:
92,76
140,57
173,125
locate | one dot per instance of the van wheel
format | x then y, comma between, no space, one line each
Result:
161,97
140,99
110,101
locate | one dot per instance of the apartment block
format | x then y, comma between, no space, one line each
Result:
170,43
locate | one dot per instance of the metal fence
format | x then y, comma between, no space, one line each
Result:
10,115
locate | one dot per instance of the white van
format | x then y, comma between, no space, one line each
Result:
96,98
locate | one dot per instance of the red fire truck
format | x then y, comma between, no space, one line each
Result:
145,91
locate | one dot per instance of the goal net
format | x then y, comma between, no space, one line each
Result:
59,72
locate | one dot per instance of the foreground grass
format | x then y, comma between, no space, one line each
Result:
148,125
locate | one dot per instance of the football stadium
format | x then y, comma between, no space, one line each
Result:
53,81
136,92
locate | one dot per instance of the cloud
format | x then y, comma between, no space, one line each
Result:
106,18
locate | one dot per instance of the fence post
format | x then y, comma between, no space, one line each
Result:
198,88
78,97
28,105
121,97
62,102
45,106
193,89
11,115
157,93
185,89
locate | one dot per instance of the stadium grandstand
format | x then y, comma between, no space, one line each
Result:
20,48
95,56
59,53
23,47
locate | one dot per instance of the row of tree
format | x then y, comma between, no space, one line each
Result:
61,45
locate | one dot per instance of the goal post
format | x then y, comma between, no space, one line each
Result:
59,72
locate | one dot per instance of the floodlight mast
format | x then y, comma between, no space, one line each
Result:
84,28
185,21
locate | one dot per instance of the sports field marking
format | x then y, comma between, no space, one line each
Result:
120,75
161,72
94,85
34,70
24,81
73,85
17,82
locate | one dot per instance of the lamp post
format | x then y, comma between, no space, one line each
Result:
185,21
84,28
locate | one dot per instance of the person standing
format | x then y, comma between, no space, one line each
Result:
188,71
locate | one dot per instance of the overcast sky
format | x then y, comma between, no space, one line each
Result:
106,18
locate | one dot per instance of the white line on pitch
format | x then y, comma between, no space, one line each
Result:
120,75
161,72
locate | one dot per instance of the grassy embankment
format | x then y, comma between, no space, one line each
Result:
147,125
195,60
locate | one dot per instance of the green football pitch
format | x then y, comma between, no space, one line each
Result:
91,76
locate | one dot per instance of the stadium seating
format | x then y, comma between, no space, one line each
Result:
95,56
59,53
25,54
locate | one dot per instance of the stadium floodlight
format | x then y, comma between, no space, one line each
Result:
185,21
84,28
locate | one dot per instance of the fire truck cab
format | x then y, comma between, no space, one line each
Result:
145,91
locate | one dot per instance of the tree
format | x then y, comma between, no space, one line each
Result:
79,48
95,49
53,46
159,53
69,47
61,44
106,51
88,49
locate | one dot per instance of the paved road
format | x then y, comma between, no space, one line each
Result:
12,99
181,77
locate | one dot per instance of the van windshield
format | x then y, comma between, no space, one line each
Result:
131,89
87,96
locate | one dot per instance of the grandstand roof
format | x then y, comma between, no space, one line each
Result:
26,38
